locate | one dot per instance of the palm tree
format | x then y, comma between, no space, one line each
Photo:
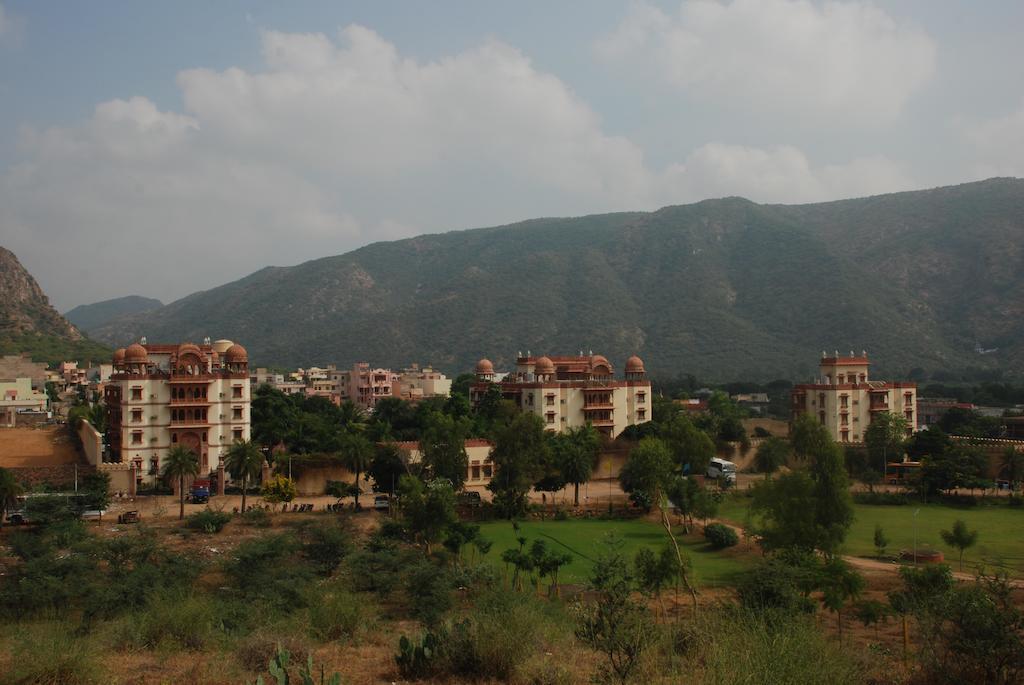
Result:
9,490
353,417
244,461
358,453
181,462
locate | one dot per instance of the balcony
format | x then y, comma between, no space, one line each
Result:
605,405
190,400
189,423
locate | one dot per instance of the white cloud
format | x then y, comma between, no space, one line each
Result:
848,60
999,143
334,144
783,172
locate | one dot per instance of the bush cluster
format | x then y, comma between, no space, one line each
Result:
721,536
208,521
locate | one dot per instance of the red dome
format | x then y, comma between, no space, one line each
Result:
600,360
236,353
136,354
484,367
544,366
634,365
119,356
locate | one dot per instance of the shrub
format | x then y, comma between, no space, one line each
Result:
430,592
257,518
325,544
378,571
335,615
49,654
775,585
255,652
721,536
270,570
208,520
740,646
185,621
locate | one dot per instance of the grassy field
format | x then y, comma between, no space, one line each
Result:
584,539
1000,531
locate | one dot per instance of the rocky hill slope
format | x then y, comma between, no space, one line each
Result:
28,323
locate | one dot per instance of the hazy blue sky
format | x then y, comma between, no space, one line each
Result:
162,148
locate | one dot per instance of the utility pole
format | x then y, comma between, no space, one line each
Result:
916,512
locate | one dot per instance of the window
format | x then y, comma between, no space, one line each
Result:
843,399
475,473
137,438
821,417
237,434
846,436
550,400
641,398
236,413
641,414
136,416
136,393
844,419
236,392
488,470
174,438
551,417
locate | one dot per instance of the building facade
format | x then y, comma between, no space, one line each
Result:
165,396
479,467
572,391
844,399
416,383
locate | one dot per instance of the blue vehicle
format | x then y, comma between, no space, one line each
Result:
200,495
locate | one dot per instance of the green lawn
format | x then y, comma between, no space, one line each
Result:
584,539
1000,530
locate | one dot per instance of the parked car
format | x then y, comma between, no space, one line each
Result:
199,495
381,502
129,517
469,498
720,468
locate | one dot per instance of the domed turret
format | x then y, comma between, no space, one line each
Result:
600,366
236,354
543,367
136,354
634,365
119,357
189,348
484,368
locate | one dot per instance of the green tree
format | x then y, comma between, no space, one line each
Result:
279,488
886,438
9,491
273,415
840,584
576,452
615,625
427,508
181,463
771,454
960,537
444,448
647,473
959,466
244,461
808,437
357,453
1011,467
387,467
691,447
881,541
520,452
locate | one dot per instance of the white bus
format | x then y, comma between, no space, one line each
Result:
720,468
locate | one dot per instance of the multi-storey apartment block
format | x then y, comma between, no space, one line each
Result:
845,400
163,396
568,392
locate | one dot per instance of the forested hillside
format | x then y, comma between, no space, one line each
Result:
724,289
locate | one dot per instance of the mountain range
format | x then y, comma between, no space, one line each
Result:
724,289
91,316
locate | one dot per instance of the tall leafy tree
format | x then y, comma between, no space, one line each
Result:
244,461
771,454
692,448
647,473
520,452
181,463
273,414
886,438
444,448
807,436
357,452
1011,466
576,453
427,508
387,467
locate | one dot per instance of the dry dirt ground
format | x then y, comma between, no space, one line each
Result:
34,447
